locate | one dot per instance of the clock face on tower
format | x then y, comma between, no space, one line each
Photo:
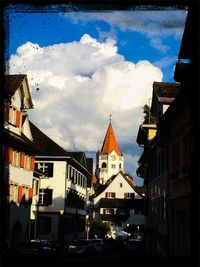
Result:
113,157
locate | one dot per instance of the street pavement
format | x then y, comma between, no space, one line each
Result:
114,255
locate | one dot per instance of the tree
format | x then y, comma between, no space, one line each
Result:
99,228
148,118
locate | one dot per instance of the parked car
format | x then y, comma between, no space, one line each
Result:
98,244
80,247
134,245
29,249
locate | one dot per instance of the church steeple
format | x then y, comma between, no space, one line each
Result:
110,159
110,143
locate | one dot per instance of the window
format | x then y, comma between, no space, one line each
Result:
108,211
72,174
13,193
103,157
45,197
24,194
110,195
16,158
85,182
79,179
122,211
113,166
44,224
46,168
12,115
15,117
129,195
103,165
120,184
35,187
120,166
27,162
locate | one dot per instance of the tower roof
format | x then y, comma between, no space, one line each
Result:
110,142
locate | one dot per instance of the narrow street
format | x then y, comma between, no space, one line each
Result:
118,257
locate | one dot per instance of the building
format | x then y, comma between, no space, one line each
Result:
19,151
115,200
169,163
153,167
110,159
117,203
63,189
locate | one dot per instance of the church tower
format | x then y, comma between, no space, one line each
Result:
109,160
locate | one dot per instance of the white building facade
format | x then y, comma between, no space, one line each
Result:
19,158
63,190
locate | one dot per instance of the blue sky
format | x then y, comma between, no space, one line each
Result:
88,65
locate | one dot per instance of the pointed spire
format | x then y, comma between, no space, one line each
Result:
110,142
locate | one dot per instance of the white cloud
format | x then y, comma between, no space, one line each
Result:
153,24
165,61
156,42
80,84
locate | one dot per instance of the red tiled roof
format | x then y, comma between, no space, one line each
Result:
110,142
94,179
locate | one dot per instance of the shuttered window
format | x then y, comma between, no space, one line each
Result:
20,193
10,155
18,118
32,163
13,193
30,193
22,159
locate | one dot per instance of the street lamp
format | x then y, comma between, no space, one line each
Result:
87,226
138,231
61,224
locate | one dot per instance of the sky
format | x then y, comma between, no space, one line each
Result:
83,66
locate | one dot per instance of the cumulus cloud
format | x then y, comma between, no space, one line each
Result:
80,84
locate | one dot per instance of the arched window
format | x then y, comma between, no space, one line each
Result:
103,165
120,165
